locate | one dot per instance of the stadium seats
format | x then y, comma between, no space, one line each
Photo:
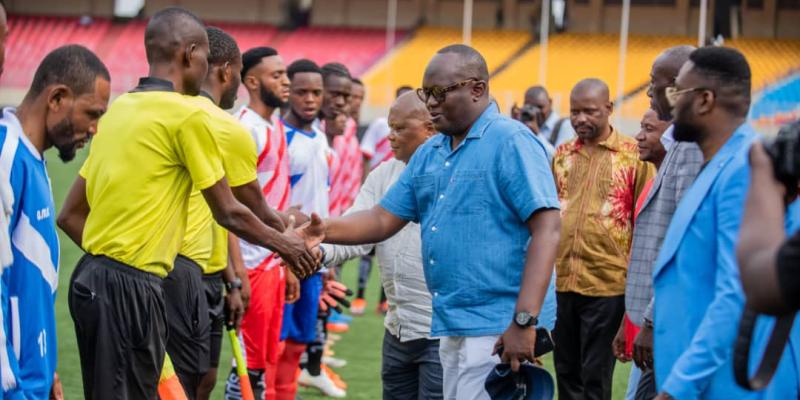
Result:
357,48
31,38
405,65
771,61
572,57
121,45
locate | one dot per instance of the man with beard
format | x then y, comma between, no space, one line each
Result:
698,295
128,210
676,173
264,76
194,288
67,97
487,207
598,176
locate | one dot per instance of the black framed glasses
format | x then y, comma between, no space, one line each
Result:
439,93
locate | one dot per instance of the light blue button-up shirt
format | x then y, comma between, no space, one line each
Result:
472,204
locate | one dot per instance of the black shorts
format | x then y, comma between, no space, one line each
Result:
215,297
121,327
187,316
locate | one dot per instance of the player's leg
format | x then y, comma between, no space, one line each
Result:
189,340
214,289
364,269
398,370
121,327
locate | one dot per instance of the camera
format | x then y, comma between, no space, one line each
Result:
530,112
784,151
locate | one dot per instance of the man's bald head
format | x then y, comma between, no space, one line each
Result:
177,49
591,87
410,124
408,105
455,88
662,75
670,61
169,31
589,108
470,61
538,96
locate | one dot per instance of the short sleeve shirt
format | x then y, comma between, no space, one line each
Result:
151,148
473,203
238,152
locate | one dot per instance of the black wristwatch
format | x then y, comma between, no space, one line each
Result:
524,319
236,283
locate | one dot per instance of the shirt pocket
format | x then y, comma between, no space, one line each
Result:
467,199
425,191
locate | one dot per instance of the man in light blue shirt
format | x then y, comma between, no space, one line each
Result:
698,295
485,199
69,93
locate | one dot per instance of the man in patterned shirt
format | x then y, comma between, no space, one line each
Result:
598,177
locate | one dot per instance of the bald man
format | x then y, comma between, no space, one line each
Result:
676,173
410,366
488,212
127,210
554,129
598,175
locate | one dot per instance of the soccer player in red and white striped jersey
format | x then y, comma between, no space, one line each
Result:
347,176
264,76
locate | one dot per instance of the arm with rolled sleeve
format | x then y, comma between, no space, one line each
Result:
401,200
526,179
712,344
527,185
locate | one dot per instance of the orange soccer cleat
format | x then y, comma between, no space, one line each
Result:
358,306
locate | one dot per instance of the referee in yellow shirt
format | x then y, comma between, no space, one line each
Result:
128,210
205,244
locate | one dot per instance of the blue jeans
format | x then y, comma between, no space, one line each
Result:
411,370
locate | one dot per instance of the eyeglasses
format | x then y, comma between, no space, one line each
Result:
440,93
672,93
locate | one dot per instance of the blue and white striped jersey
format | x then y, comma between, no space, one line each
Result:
31,280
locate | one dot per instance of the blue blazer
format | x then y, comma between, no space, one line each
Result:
698,295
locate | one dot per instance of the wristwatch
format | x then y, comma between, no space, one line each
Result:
236,283
524,319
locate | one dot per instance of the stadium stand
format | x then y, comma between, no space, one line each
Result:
572,57
121,47
31,38
771,61
405,65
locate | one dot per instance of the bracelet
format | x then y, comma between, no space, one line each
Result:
236,283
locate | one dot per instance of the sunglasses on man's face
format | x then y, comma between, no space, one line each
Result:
673,94
439,93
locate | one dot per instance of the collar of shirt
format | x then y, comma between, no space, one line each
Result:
550,123
151,84
10,118
611,143
476,131
207,95
668,138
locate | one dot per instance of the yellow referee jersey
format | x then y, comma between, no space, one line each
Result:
205,242
152,147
